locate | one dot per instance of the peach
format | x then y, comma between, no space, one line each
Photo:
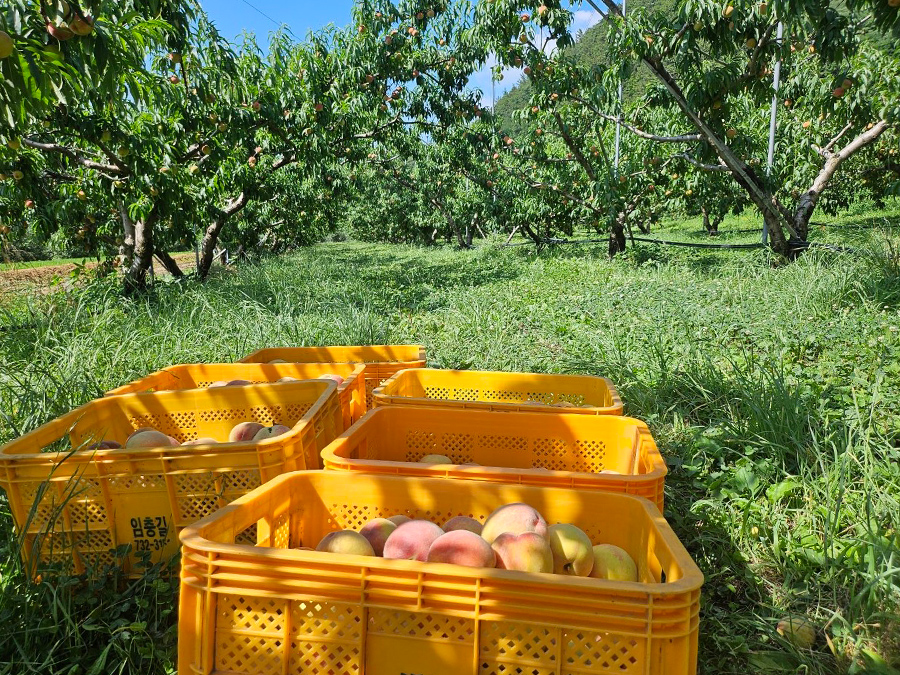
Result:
399,519
573,554
798,631
346,542
146,437
237,383
411,541
243,432
331,376
201,441
377,531
271,432
516,518
105,445
461,547
435,459
218,383
612,562
277,361
287,378
526,552
462,523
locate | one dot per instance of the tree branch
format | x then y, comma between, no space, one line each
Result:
826,151
701,165
684,138
75,157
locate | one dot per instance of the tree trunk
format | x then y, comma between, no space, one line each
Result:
617,236
136,276
454,226
169,263
126,250
211,236
711,224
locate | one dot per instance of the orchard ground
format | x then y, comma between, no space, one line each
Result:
773,392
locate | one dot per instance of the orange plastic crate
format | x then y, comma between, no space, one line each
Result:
74,505
273,609
351,392
381,361
527,448
503,392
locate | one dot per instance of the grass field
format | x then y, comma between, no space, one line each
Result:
773,392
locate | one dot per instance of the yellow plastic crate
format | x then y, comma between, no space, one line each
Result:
381,361
74,504
270,609
351,392
503,392
527,448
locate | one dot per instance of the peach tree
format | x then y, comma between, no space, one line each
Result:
714,62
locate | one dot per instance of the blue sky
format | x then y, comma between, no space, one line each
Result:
261,17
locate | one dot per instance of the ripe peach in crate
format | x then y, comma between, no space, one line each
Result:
275,608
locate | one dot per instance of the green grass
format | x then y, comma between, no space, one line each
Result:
773,392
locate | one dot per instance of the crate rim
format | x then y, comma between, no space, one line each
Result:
358,371
441,469
71,419
191,537
617,402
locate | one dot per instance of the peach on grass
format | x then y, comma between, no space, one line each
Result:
463,523
461,547
526,552
515,518
377,531
347,542
572,551
798,631
411,541
245,431
614,563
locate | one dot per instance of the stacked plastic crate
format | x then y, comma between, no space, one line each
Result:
255,596
558,443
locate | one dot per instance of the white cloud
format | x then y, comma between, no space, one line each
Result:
583,19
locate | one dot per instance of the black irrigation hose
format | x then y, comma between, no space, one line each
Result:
652,241
687,244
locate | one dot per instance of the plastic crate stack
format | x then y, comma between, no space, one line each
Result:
81,502
255,595
555,442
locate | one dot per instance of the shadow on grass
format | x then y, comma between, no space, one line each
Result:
381,280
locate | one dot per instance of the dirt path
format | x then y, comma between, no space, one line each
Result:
12,281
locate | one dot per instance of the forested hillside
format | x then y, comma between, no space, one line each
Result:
590,47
